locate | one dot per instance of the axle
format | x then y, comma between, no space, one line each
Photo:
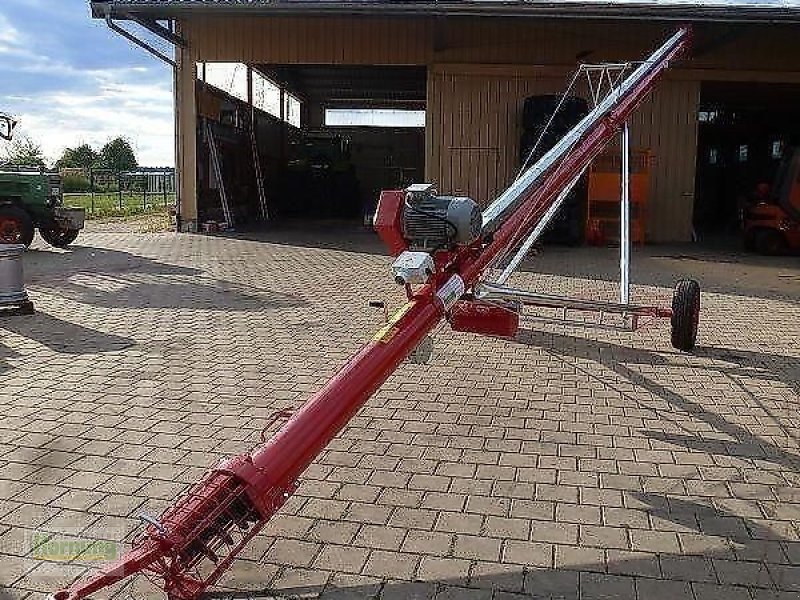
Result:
192,544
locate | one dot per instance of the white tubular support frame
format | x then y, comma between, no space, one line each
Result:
625,220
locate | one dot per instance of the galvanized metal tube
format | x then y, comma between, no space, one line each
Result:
625,220
491,291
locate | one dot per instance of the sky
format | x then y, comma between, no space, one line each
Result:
70,80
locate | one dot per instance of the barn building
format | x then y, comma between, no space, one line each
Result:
337,100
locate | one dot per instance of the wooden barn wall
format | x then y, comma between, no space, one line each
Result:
475,90
474,127
475,124
666,124
330,40
421,41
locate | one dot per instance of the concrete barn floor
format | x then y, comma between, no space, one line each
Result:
568,463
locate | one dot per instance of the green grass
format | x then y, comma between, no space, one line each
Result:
109,204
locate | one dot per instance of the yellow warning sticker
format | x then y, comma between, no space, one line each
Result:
386,333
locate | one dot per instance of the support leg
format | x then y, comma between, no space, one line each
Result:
625,221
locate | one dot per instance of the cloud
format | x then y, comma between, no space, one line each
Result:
70,80
104,106
8,34
107,106
9,37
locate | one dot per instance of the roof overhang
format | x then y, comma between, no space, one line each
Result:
734,11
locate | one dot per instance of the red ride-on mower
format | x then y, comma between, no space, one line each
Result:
772,225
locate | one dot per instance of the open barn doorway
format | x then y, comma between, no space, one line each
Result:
363,130
745,131
306,142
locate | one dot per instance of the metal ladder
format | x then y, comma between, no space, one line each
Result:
262,195
217,166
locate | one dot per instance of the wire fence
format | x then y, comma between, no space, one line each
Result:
109,195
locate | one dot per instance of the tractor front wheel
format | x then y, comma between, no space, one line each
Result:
16,226
57,236
685,314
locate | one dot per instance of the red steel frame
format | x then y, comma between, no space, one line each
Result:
194,541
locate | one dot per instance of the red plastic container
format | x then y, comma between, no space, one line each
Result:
485,319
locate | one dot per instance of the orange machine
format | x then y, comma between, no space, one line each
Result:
603,208
772,226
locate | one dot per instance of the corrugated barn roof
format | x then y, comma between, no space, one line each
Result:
725,10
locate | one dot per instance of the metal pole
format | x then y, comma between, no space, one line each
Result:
91,187
625,220
133,39
492,291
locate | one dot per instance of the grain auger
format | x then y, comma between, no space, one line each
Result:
445,247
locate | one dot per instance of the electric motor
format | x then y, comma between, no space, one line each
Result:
434,222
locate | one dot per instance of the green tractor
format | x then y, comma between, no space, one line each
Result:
30,198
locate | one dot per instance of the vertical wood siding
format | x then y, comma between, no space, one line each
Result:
532,41
474,128
667,124
330,40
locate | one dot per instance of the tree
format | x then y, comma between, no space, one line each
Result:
24,152
80,157
118,156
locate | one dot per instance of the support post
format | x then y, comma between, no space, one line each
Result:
91,187
625,219
186,135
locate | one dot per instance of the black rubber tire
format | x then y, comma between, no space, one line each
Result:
16,225
528,141
685,314
57,236
537,110
771,242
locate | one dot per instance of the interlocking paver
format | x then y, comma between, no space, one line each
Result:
382,563
345,559
476,547
570,463
497,576
598,586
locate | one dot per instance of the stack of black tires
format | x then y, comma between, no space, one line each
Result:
568,225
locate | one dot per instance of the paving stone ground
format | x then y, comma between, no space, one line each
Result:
569,463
